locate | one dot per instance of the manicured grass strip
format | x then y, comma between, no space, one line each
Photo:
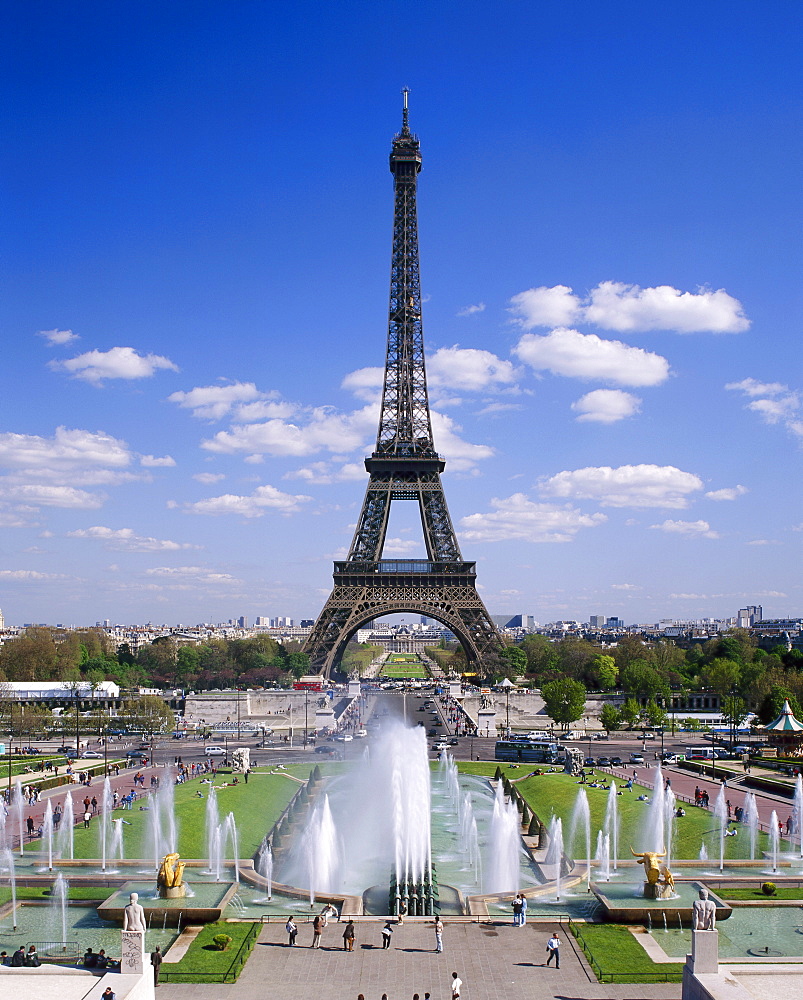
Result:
204,964
756,894
37,892
556,793
616,957
401,672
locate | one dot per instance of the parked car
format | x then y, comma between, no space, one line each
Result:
91,754
616,762
214,751
636,758
588,762
671,758
325,749
603,762
601,736
432,732
648,736
343,737
361,734
440,745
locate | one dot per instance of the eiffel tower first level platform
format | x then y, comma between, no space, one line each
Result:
404,467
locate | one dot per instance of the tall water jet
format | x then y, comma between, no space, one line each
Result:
104,827
669,824
797,816
505,843
230,836
775,836
117,848
264,865
603,855
212,837
322,850
721,814
469,838
752,821
66,837
47,834
581,821
612,823
155,833
167,808
554,854
3,838
20,809
8,858
58,908
654,825
410,804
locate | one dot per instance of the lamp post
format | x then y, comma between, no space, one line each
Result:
306,715
10,744
507,685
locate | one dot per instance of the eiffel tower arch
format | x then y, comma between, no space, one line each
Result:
404,467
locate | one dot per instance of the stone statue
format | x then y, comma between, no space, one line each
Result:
704,913
171,872
241,760
650,861
134,915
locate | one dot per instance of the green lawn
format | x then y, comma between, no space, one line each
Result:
204,964
400,671
756,894
616,957
256,806
556,793
38,892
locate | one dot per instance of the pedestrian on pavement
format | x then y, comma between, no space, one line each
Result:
292,930
523,920
553,949
387,931
29,824
348,936
438,933
457,985
87,818
156,962
317,930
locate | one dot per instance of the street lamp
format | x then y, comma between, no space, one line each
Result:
507,685
306,715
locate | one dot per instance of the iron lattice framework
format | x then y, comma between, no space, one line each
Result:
404,466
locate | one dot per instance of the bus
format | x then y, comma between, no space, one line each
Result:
700,753
527,751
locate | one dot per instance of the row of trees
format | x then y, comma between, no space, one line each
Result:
87,656
26,721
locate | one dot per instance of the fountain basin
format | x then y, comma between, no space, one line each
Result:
623,904
206,906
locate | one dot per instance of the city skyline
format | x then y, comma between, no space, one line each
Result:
197,244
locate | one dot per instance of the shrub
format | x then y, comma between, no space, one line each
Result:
221,941
525,816
534,827
497,773
768,888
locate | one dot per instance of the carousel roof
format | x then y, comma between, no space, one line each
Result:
786,722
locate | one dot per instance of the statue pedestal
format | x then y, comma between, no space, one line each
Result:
354,689
455,689
658,890
324,719
173,891
704,952
486,722
132,953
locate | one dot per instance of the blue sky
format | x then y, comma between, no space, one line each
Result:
197,215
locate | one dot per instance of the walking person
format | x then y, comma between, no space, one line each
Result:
156,962
457,985
87,818
387,932
438,933
523,920
292,930
553,949
317,930
517,910
348,936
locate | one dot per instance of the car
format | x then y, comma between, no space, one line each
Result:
740,750
325,749
440,745
601,736
361,734
648,736
588,762
65,749
91,755
432,732
616,762
421,708
671,758
343,737
454,743
636,758
603,762
214,751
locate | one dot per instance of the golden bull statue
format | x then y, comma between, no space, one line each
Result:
650,861
171,872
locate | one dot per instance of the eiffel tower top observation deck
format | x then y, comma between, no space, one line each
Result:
403,466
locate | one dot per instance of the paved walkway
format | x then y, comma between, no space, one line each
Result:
495,962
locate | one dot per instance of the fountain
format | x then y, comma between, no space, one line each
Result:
117,850
669,823
751,818
264,864
170,882
721,814
8,858
581,820
20,808
775,836
505,843
58,907
612,823
47,834
104,827
603,855
554,854
212,838
66,835
322,852
654,824
797,816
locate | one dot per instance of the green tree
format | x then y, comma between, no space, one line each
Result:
516,657
721,676
630,712
605,671
734,711
640,679
565,700
772,704
149,714
653,715
610,717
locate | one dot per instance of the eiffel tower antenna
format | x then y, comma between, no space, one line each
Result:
403,466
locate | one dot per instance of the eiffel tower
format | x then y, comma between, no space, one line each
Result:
404,466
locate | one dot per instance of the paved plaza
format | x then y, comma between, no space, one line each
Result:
495,962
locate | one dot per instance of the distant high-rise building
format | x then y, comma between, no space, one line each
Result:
242,621
614,623
597,621
262,620
749,616
2,620
281,622
306,623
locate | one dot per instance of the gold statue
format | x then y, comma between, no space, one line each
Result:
170,872
650,861
669,879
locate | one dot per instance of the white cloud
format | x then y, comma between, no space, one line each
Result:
518,518
58,337
729,493
461,455
194,574
543,306
67,452
125,538
264,409
472,310
29,575
624,586
52,496
773,411
587,356
752,387
468,369
207,478
606,406
692,529
262,500
118,362
614,305
323,473
211,402
625,486
492,408
400,547
365,383
763,541
157,463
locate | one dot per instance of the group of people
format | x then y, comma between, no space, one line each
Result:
321,921
21,958
457,985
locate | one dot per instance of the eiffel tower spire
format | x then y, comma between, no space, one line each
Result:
404,466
